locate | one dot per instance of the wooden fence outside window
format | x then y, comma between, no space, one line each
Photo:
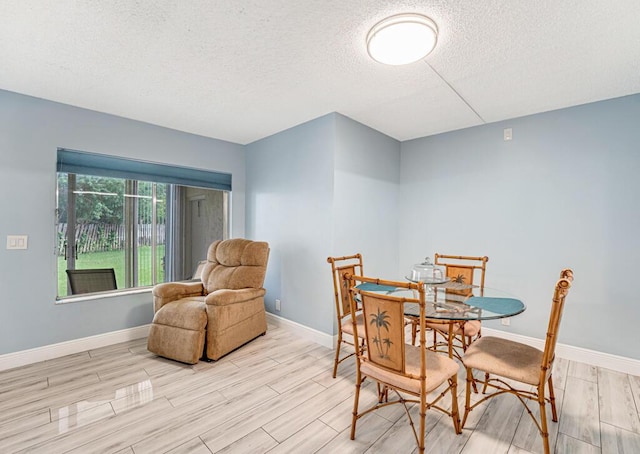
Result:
106,237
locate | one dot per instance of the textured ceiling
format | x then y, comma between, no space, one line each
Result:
244,69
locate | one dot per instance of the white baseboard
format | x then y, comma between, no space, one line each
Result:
579,354
311,334
582,355
34,355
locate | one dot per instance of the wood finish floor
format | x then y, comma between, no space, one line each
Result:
276,395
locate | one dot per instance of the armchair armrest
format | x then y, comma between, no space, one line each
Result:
171,291
180,289
225,297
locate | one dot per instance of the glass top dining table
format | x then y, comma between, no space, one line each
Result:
452,301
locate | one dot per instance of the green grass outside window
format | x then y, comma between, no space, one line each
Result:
115,260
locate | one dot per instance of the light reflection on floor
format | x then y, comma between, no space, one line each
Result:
85,412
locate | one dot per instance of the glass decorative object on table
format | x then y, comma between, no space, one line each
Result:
430,274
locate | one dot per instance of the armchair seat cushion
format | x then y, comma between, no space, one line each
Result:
186,313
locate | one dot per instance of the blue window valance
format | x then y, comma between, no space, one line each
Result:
80,162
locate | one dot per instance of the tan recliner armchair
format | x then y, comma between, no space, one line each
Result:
224,311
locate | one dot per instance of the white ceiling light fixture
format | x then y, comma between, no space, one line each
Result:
402,39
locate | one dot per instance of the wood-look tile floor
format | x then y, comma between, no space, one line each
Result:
276,395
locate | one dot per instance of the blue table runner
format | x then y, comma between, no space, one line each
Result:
496,305
371,287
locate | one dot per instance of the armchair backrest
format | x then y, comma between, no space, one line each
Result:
235,264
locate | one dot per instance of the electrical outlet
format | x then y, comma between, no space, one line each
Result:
508,134
278,305
506,321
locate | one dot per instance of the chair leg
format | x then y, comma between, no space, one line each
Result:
467,400
335,362
463,339
414,331
383,393
423,415
552,400
475,387
354,418
486,383
455,413
543,419
464,349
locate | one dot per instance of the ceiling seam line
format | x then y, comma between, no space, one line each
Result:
456,92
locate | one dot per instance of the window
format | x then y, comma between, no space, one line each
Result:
142,220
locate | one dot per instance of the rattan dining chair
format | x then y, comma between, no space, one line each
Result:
456,336
501,358
351,264
409,371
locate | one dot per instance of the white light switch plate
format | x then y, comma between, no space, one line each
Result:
17,241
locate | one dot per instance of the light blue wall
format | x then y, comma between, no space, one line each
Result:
366,196
30,131
315,191
290,205
563,193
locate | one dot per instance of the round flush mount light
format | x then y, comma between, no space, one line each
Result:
402,39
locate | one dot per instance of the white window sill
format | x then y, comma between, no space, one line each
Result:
102,295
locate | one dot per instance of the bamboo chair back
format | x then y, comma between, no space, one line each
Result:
352,265
349,264
557,308
462,269
384,325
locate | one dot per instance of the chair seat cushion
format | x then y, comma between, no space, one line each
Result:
439,369
505,358
347,325
187,313
471,328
